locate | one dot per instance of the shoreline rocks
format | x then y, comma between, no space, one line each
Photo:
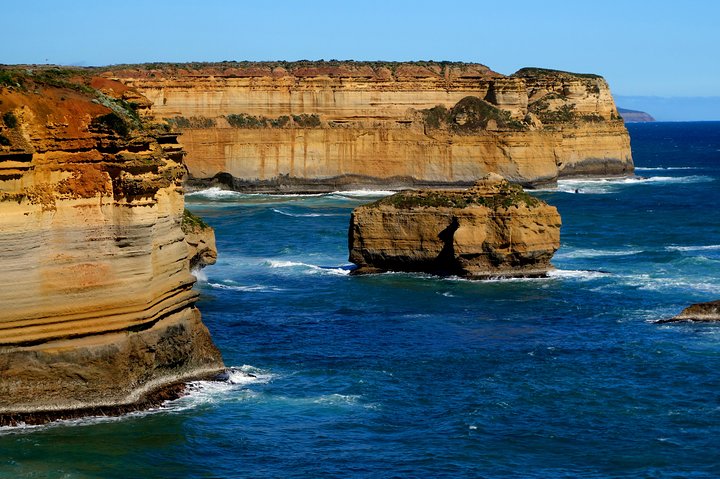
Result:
698,312
493,229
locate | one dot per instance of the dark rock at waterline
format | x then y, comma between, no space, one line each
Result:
709,311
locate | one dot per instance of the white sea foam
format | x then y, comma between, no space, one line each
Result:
648,282
214,193
200,275
611,185
583,275
305,215
311,268
363,193
665,168
213,392
255,288
711,247
336,399
574,253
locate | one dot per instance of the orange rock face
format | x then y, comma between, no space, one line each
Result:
390,124
98,306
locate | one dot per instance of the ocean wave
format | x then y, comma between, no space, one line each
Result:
610,185
570,253
711,247
234,385
214,193
363,193
584,275
200,275
656,283
311,268
665,168
305,215
256,288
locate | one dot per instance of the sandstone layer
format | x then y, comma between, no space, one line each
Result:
98,307
709,311
318,126
493,229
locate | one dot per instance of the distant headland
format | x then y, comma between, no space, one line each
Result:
635,116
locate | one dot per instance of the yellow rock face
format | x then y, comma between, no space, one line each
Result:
98,306
491,230
374,124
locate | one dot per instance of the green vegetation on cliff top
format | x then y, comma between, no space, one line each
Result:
508,195
548,72
191,222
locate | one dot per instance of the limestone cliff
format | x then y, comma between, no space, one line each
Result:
97,299
332,125
493,229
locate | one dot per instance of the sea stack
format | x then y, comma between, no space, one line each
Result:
493,229
99,313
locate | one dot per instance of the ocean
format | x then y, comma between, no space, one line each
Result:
413,376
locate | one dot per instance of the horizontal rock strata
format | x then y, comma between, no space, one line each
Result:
98,306
493,229
316,126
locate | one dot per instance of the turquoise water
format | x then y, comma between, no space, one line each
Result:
411,376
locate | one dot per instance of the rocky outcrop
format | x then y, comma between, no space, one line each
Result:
635,116
200,240
493,229
709,311
98,307
319,126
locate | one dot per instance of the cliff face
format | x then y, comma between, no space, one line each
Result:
98,306
493,229
322,125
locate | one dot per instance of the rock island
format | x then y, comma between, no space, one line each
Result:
493,229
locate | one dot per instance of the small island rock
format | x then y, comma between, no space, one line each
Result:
493,229
709,311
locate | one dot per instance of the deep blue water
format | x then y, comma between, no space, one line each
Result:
411,376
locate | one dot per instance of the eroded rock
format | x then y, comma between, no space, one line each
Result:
702,312
493,229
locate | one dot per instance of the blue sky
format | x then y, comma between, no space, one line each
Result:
646,48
